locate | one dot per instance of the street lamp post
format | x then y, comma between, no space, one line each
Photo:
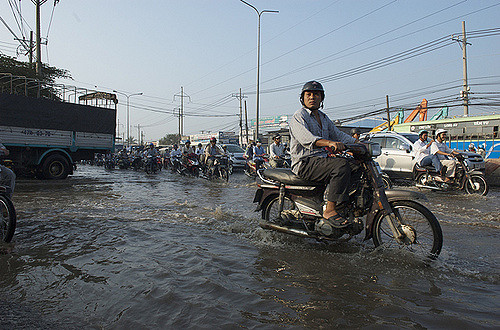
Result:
128,112
259,13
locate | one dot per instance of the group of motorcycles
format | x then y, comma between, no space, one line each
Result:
219,166
190,164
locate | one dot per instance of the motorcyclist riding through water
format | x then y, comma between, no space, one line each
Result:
311,130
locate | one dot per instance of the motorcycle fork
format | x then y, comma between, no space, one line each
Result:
281,198
384,205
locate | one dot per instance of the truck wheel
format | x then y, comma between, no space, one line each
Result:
55,167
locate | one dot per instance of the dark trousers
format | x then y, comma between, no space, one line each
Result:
333,170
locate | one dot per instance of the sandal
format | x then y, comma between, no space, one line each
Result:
337,221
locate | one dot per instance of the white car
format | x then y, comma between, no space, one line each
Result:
236,154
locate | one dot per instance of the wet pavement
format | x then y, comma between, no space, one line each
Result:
124,249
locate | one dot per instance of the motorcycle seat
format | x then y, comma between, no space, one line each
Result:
286,176
429,168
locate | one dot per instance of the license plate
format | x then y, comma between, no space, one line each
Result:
377,166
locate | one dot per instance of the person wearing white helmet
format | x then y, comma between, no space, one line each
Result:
444,153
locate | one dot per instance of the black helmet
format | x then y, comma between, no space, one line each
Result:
312,86
355,130
213,139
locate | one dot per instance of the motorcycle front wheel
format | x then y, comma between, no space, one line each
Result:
478,186
7,219
417,222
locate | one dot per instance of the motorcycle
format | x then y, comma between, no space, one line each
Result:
151,165
394,218
219,169
472,181
176,163
251,167
123,163
190,165
7,216
137,163
109,164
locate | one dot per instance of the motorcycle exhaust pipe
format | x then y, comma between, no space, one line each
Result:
286,230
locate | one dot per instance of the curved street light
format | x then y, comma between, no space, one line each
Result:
259,13
128,112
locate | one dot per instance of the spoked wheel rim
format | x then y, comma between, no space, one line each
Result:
272,212
417,221
478,186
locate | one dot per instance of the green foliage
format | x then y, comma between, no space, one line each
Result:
18,68
131,140
169,139
24,69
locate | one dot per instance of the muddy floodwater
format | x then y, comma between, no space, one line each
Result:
122,249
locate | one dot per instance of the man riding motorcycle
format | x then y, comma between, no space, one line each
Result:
211,151
311,130
276,152
445,154
422,151
258,155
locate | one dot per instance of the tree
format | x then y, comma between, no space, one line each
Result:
9,65
131,140
169,139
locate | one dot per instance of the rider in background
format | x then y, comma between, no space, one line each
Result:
187,149
445,154
7,176
211,151
151,151
422,151
356,133
276,152
258,155
311,131
199,150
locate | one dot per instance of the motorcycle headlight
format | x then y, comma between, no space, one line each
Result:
374,149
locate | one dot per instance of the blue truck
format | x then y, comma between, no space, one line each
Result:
49,128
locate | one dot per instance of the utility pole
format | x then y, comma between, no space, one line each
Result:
38,4
139,134
240,97
388,113
246,121
464,93
181,112
31,50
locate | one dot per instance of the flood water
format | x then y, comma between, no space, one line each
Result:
123,249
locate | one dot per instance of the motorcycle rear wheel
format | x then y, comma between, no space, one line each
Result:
271,212
480,186
7,219
417,218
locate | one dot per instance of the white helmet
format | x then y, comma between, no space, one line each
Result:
441,130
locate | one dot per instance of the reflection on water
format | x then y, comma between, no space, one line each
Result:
123,249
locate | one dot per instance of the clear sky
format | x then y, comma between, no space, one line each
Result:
209,47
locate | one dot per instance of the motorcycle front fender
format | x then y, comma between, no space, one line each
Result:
397,195
392,195
476,172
